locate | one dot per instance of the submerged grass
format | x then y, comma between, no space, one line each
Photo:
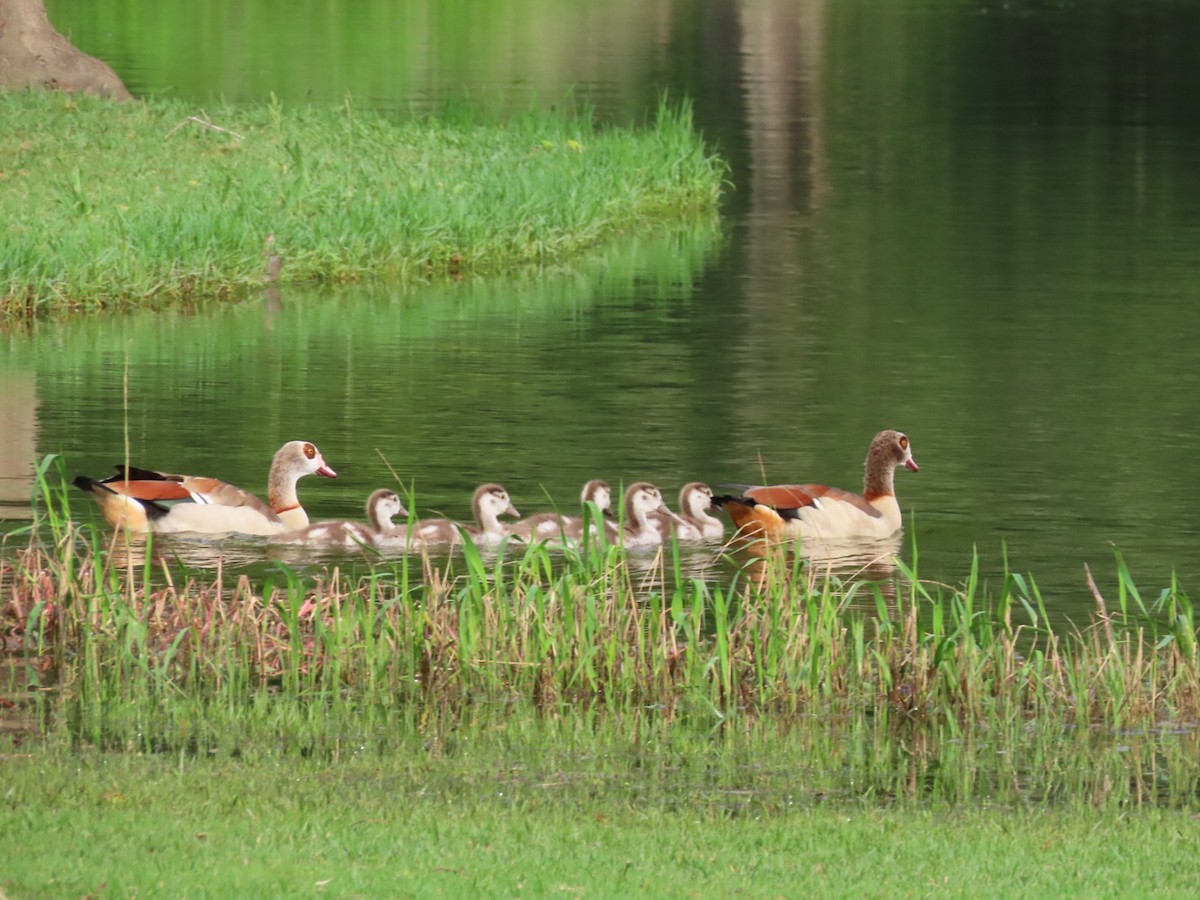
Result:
883,684
131,204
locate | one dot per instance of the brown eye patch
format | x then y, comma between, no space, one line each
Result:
903,442
310,451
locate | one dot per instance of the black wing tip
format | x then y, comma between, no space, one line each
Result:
133,473
720,500
87,483
154,509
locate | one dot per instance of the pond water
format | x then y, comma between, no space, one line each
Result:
977,223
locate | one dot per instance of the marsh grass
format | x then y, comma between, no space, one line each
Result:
133,204
109,648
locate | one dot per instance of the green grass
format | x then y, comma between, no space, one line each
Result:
115,205
118,648
543,723
896,689
91,824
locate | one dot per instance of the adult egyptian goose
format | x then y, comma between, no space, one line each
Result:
554,527
382,506
692,524
489,502
789,511
637,530
142,500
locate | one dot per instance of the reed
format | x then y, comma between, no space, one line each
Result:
134,204
118,647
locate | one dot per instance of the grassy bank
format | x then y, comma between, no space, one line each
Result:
580,724
113,648
95,824
133,204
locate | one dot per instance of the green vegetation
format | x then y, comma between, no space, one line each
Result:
130,204
120,650
504,823
550,722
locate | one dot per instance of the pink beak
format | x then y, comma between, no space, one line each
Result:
912,464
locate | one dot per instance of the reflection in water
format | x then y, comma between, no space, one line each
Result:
654,570
782,57
18,441
394,55
660,569
272,303
647,571
849,559
654,567
184,553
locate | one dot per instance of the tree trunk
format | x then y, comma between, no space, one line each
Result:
34,55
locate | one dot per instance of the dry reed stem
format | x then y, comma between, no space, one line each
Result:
593,643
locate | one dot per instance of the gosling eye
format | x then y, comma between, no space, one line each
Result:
903,442
310,451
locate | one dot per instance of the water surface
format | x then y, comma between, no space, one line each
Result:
976,223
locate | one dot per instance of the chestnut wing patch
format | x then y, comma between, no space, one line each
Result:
152,490
785,499
146,484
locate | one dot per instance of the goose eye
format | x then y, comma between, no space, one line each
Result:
903,442
310,451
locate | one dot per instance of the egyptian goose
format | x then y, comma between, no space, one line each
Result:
551,526
489,502
692,524
789,511
382,506
641,500
142,500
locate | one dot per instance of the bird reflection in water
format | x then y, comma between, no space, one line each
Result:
191,552
767,563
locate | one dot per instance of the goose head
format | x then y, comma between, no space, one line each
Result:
489,503
695,498
293,461
299,458
889,450
641,499
598,492
382,506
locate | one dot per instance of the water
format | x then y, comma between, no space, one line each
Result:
977,223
